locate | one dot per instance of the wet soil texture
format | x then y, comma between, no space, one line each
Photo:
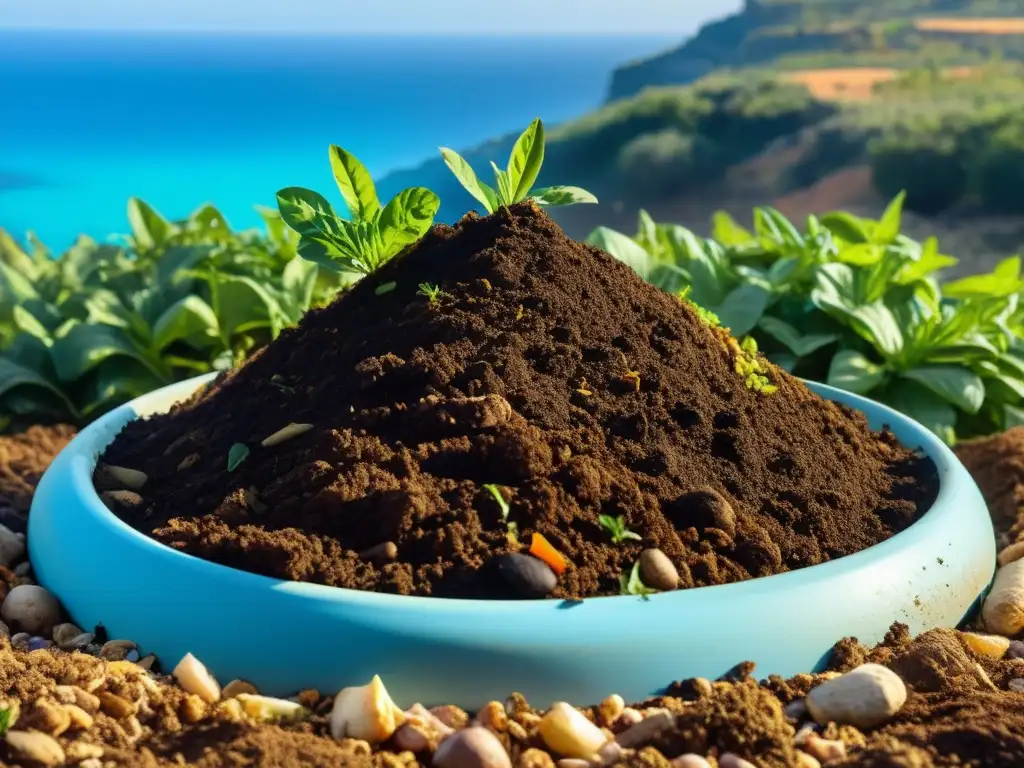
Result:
545,368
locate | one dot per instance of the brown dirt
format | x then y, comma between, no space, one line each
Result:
23,459
519,377
1006,26
997,463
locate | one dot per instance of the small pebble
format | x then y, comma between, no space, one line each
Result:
4,630
825,750
116,706
147,662
527,576
804,760
1011,553
80,642
132,479
865,697
80,719
535,758
1016,685
1003,609
36,747
657,571
796,709
116,650
23,570
286,433
450,715
132,656
1016,650
12,546
611,708
645,731
381,553
729,760
39,643
411,737
567,732
472,747
193,677
627,719
690,761
30,608
64,633
20,641
121,500
573,762
707,508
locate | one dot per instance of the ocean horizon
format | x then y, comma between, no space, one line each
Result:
184,119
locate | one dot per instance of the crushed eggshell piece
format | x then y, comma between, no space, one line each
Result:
286,433
568,732
365,712
195,678
267,709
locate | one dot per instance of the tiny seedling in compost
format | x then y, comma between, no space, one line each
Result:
514,184
512,530
236,455
432,292
372,236
632,585
706,315
616,526
750,368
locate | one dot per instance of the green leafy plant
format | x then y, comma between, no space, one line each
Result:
86,330
372,236
616,526
631,584
511,527
433,293
515,183
852,302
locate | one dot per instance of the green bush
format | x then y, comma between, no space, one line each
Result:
929,166
854,303
1000,170
104,323
657,164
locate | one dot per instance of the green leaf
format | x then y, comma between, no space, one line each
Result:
786,334
1013,416
14,375
624,248
1004,280
5,720
26,322
242,304
298,279
929,262
742,308
355,184
87,345
407,218
959,386
149,228
190,320
14,256
861,254
555,196
15,287
467,177
924,406
321,252
236,455
505,189
114,382
851,371
526,160
307,212
846,226
725,230
210,222
888,228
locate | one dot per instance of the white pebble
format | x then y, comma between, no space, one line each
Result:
30,608
195,678
825,750
646,730
1003,611
365,712
729,760
803,760
472,747
12,546
130,479
1016,685
267,709
868,696
690,761
37,747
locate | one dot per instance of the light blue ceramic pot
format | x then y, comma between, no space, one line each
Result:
286,636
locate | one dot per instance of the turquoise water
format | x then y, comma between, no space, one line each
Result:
92,118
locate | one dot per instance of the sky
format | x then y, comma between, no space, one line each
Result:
658,17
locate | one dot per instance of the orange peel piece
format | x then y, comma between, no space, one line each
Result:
542,549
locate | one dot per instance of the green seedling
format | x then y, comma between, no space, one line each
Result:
383,288
432,292
706,315
750,368
372,236
511,528
632,585
5,720
236,455
616,526
514,184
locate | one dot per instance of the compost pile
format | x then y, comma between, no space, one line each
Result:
545,368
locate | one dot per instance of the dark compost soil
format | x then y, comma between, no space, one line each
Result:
548,368
23,459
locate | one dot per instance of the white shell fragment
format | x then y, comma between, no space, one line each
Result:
568,732
1003,612
267,709
868,696
193,677
365,712
286,433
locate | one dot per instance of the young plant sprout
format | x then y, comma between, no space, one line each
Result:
236,455
372,236
511,528
515,182
432,292
632,585
616,526
709,317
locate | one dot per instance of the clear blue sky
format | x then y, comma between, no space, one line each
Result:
661,17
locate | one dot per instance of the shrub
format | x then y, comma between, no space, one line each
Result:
657,164
1000,170
928,166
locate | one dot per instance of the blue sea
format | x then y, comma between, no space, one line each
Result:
89,119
